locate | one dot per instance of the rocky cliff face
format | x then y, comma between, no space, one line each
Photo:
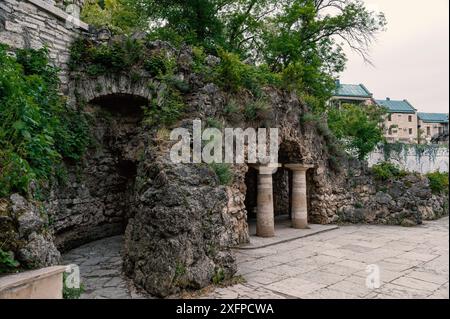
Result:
179,220
359,197
26,230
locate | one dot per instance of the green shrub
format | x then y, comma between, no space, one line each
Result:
166,108
7,262
256,110
37,129
231,107
71,293
116,57
235,75
387,170
309,118
219,276
116,15
156,65
223,172
438,182
213,123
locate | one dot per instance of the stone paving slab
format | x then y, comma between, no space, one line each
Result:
412,262
283,233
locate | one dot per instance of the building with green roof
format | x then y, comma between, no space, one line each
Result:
432,125
397,106
401,121
351,93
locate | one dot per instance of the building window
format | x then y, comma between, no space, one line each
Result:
410,118
390,117
428,130
390,131
410,131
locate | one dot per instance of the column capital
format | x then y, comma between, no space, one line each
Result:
298,167
266,169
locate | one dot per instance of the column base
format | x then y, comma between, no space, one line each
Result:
265,233
300,224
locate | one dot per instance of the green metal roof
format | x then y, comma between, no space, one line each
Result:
433,117
352,90
395,106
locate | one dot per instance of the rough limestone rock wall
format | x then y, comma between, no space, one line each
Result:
357,196
25,230
185,222
97,197
38,23
179,222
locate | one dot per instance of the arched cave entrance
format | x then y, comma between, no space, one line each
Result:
99,198
251,183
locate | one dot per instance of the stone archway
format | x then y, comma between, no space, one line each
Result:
100,194
93,88
251,182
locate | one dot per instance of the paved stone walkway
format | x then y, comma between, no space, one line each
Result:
412,263
100,265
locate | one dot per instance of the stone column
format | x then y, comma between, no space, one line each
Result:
299,210
265,223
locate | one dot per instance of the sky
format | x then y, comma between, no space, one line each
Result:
411,58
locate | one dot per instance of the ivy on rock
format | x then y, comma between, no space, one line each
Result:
37,129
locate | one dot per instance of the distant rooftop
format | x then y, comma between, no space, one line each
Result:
352,90
433,117
396,106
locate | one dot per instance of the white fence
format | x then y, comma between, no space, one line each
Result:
413,158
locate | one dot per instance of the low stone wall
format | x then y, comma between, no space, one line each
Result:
45,283
413,160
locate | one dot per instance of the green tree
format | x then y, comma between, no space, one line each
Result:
118,15
301,39
360,128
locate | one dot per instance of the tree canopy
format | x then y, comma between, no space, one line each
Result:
360,127
302,39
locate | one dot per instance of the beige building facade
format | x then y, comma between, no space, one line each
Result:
401,124
432,125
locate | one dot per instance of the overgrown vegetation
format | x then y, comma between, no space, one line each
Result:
359,127
438,182
116,57
113,14
130,56
71,293
37,129
219,276
400,150
288,44
7,262
386,170
298,41
223,172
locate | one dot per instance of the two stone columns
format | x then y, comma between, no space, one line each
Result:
265,218
299,208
